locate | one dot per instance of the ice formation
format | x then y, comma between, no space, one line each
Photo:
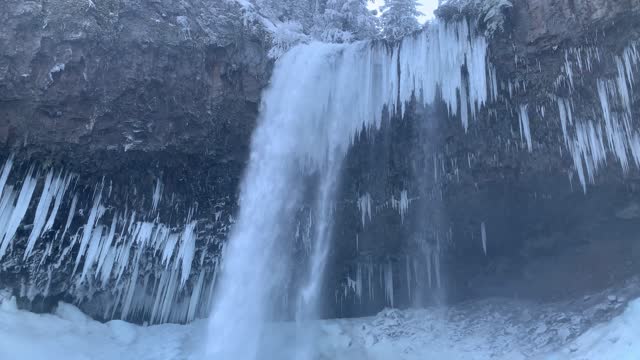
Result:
14,205
364,205
401,205
54,189
107,256
369,280
525,130
321,96
364,278
483,235
388,283
111,249
566,118
157,194
589,141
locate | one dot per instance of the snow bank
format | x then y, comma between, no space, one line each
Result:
69,334
618,339
399,335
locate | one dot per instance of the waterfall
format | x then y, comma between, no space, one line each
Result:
321,96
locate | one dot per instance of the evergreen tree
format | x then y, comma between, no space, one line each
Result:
326,20
301,11
399,18
344,21
360,21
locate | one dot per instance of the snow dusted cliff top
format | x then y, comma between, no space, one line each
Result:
489,13
283,34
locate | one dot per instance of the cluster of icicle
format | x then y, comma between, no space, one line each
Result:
110,250
109,254
610,130
365,203
14,204
365,279
370,278
588,140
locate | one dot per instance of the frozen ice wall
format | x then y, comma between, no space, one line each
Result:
321,96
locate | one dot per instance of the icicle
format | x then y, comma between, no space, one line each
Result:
493,82
568,70
435,168
369,268
464,108
157,194
130,292
437,268
62,188
564,108
351,285
7,201
72,212
54,188
169,248
402,205
93,252
6,169
358,288
195,297
388,283
428,256
187,251
524,126
364,205
408,272
622,86
18,212
106,251
483,232
46,254
97,210
40,216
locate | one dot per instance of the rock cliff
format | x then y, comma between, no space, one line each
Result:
137,116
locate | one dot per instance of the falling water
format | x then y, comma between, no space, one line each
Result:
321,96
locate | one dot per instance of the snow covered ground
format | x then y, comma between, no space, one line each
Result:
617,339
490,329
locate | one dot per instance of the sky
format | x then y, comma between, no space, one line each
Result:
427,7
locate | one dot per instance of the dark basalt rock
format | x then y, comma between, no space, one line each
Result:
126,93
132,92
546,238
